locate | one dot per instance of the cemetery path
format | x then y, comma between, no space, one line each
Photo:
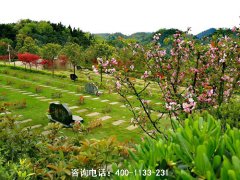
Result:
45,99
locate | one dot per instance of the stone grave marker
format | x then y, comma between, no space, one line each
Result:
91,88
61,113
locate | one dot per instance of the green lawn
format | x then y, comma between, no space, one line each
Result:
36,109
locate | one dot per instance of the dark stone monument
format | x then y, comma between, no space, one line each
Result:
91,88
73,77
61,113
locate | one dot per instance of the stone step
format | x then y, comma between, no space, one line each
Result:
132,127
105,100
73,107
23,121
136,108
95,98
32,127
114,103
78,94
93,114
81,110
40,97
129,97
46,100
105,118
45,132
27,93
4,113
118,122
53,102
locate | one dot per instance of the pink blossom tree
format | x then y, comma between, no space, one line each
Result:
190,77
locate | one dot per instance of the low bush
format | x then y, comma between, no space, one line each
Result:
10,82
81,100
79,89
228,113
107,109
16,105
197,150
24,86
38,89
3,96
31,71
26,154
56,95
94,124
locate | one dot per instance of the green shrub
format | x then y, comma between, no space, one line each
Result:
228,113
38,89
3,96
107,109
30,70
24,86
20,104
56,95
79,89
9,82
4,71
28,154
197,150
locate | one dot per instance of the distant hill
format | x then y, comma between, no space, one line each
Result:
141,37
206,33
43,32
146,37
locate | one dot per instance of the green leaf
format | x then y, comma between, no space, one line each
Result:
232,175
236,163
216,161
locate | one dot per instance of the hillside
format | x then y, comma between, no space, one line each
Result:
42,32
206,33
140,37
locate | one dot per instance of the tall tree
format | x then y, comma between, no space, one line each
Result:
50,52
73,52
29,45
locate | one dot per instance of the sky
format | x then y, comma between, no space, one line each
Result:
126,16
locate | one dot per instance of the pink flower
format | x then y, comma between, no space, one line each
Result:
118,85
226,93
137,46
95,70
238,60
178,40
132,67
172,52
156,37
145,75
168,66
210,93
105,64
99,60
162,53
189,106
172,106
113,70
225,78
176,35
114,61
234,29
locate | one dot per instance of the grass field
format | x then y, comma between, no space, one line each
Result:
38,89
